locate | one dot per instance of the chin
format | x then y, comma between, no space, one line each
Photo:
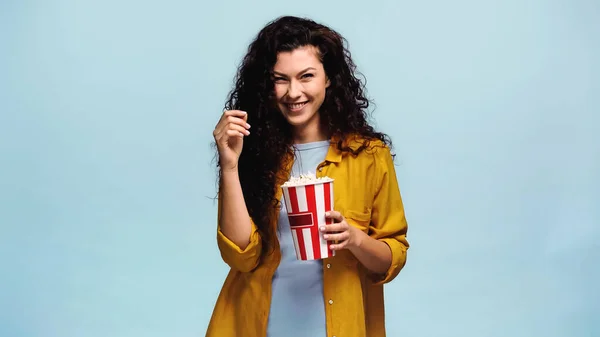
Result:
297,120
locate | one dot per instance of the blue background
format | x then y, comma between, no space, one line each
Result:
107,226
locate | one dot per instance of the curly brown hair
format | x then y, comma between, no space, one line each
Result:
342,114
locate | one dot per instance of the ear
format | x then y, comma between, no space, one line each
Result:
328,83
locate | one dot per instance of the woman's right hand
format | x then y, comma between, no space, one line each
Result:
229,137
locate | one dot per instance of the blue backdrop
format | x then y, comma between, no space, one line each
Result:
107,223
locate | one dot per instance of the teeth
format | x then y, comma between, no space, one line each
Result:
296,105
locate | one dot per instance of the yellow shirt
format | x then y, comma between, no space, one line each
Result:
366,193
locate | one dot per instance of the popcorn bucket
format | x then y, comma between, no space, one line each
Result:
306,204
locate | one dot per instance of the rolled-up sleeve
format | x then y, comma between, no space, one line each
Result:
244,260
388,221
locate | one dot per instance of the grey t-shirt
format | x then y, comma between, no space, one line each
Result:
297,304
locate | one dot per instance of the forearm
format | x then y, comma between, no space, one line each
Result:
375,255
235,220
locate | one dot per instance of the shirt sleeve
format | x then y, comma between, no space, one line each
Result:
244,260
388,221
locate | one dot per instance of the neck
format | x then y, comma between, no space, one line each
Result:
309,135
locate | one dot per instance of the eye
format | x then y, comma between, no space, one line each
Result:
278,79
308,75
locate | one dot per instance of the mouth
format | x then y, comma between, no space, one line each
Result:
295,107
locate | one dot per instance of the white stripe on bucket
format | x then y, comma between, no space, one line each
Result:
301,194
296,244
308,243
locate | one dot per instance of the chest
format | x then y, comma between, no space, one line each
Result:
353,190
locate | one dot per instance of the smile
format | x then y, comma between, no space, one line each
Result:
296,106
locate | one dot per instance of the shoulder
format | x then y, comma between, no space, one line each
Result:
371,147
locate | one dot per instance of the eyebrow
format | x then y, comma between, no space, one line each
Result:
300,73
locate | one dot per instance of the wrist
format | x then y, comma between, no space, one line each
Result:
359,237
233,170
229,175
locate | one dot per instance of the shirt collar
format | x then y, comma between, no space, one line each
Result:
333,154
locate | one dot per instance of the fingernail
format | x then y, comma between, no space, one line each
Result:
325,236
323,228
248,125
327,213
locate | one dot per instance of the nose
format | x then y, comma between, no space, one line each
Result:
294,90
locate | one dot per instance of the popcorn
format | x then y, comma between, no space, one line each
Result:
306,199
306,179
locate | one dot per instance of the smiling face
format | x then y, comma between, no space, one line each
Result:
300,85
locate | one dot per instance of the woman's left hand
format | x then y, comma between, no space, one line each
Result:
347,236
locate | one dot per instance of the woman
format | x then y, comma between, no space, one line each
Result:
297,107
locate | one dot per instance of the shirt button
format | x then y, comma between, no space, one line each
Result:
330,301
328,265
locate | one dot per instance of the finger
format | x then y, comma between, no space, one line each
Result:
336,227
235,116
237,128
343,236
222,137
235,113
232,120
334,215
339,246
237,120
232,134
